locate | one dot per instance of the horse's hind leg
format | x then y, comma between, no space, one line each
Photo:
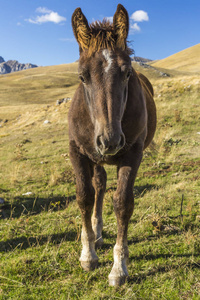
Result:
99,183
123,205
85,195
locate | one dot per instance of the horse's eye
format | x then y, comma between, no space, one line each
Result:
82,78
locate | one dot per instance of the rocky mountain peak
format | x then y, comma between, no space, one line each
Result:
140,59
13,66
1,59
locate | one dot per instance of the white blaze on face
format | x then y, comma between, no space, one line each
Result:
107,55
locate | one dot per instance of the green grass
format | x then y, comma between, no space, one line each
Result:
40,233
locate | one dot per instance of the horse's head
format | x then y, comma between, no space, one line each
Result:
105,69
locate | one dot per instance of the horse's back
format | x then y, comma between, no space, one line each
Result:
151,108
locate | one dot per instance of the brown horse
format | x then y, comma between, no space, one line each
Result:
112,119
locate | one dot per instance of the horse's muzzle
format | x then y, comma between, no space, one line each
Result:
110,145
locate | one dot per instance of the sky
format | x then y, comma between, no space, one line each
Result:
40,32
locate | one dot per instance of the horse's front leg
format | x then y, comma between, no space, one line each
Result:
85,195
123,206
99,183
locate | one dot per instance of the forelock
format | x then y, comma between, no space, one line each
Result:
103,37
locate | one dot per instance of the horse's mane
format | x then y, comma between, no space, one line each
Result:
103,37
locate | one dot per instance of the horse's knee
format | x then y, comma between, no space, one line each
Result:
85,195
100,178
123,205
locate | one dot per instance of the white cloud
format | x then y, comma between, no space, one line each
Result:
139,16
136,17
47,16
135,28
43,10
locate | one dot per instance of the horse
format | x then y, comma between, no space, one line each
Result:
112,119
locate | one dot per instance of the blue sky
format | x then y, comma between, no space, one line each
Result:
39,31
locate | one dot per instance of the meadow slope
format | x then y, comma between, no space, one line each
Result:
40,222
187,60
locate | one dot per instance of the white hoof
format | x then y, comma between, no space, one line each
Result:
89,265
89,259
117,280
118,274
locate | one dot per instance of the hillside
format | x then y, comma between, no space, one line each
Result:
40,223
44,85
187,60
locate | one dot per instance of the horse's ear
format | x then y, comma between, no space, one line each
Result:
121,26
81,29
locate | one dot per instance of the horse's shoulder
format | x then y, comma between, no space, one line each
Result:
146,84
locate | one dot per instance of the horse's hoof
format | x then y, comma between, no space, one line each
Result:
117,281
99,243
89,265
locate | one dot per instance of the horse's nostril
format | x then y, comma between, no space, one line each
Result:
102,143
110,146
98,141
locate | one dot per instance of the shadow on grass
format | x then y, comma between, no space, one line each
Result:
27,242
24,242
139,191
164,269
136,240
165,256
33,205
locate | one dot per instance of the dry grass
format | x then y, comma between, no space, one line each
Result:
187,60
22,91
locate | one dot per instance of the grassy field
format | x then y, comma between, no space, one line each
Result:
40,222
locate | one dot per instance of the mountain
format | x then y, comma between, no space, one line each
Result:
11,66
1,59
141,59
187,60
